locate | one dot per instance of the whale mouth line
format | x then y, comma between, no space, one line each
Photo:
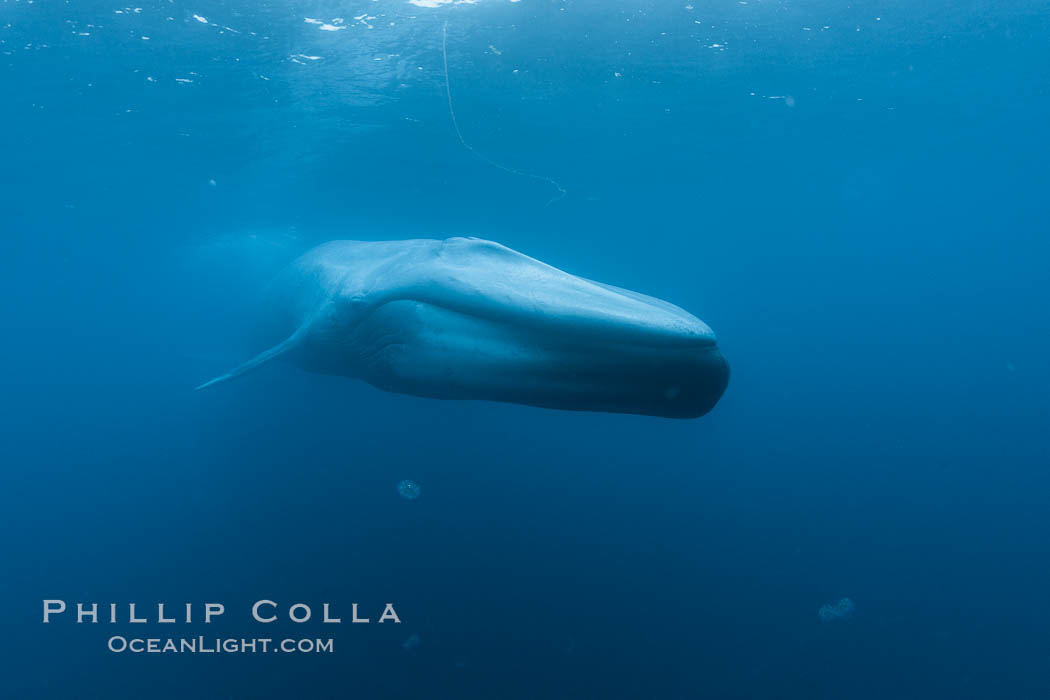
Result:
577,329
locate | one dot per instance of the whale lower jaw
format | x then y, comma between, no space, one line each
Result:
412,347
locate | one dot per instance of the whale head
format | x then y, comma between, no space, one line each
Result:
471,319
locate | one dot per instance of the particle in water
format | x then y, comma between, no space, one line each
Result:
409,489
834,612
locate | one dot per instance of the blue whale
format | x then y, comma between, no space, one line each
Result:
466,318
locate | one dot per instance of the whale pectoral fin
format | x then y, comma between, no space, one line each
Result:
260,359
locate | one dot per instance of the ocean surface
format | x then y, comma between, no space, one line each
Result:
853,196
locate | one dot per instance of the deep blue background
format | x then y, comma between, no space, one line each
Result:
872,253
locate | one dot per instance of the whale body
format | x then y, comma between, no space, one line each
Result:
466,318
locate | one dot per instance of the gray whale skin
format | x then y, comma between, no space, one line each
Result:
466,318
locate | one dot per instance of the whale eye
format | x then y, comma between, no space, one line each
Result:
671,393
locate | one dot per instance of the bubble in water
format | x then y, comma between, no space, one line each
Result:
833,612
409,489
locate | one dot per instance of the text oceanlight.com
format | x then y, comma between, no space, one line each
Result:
217,645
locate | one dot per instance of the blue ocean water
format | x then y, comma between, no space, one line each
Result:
852,196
